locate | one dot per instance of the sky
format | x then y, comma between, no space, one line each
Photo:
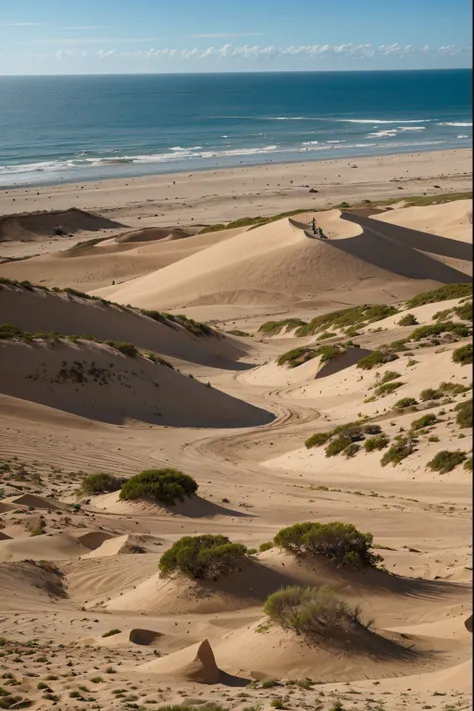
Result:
165,36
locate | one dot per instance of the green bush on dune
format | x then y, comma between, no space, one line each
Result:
101,483
128,349
376,358
160,486
205,557
446,461
436,329
298,356
443,293
347,318
464,414
340,542
408,320
309,611
273,328
400,450
463,355
405,402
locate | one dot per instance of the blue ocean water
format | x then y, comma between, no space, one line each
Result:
55,129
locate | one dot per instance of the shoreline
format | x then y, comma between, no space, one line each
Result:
226,194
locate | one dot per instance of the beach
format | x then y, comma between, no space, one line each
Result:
212,196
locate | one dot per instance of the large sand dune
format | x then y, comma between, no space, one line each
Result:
281,263
94,381
31,226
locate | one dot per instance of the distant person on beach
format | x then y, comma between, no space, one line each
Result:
314,226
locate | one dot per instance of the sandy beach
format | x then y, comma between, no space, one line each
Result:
223,195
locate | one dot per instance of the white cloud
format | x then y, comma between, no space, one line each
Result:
21,24
223,35
88,27
310,53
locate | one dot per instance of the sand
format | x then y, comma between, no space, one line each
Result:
79,579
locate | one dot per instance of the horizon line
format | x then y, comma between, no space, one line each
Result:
271,71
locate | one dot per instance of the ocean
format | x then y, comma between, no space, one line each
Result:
76,128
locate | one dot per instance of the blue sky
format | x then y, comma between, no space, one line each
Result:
121,36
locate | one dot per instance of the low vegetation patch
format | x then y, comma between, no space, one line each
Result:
424,421
111,633
273,328
101,483
309,611
194,327
463,355
464,414
128,349
376,358
340,542
388,388
343,438
436,329
160,486
446,461
444,293
347,318
298,356
205,557
408,320
464,311
405,402
377,442
318,439
400,450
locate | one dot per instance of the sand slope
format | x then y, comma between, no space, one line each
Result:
127,256
281,263
450,219
30,226
95,381
37,309
195,663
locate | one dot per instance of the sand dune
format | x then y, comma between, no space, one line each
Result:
27,586
38,502
95,381
37,309
87,267
37,225
274,374
280,263
59,546
450,219
195,663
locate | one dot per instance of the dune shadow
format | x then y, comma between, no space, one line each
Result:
230,680
197,507
414,239
394,252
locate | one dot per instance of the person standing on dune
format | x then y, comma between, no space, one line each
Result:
314,225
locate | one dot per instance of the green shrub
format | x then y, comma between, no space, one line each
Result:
436,329
430,394
159,360
127,349
388,388
8,331
405,402
161,486
443,293
205,557
101,483
273,328
388,376
111,633
155,315
376,358
337,445
446,461
372,429
317,440
408,320
398,451
468,465
340,542
464,311
265,546
463,355
424,421
297,356
351,450
454,388
308,611
376,443
348,318
464,414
